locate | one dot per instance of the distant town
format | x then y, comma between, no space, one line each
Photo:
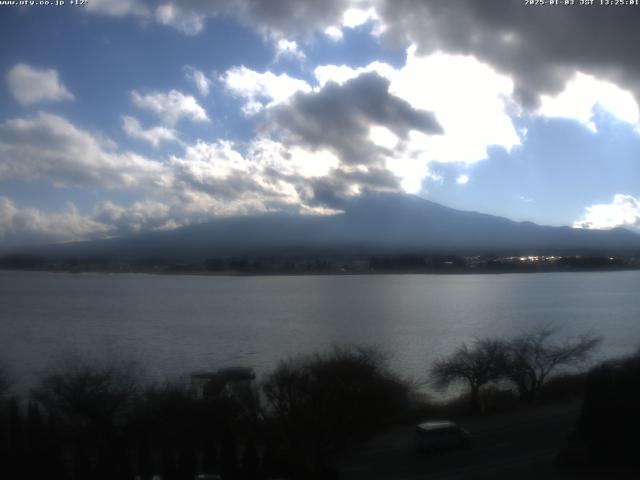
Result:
330,264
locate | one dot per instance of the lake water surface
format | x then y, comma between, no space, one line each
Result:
177,324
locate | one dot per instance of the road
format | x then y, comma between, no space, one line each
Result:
518,445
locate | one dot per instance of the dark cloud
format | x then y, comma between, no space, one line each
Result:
540,46
274,18
338,118
286,17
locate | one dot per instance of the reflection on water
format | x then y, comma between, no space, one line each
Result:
176,324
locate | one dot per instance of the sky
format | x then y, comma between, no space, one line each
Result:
126,116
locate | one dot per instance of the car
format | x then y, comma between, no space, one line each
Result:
441,435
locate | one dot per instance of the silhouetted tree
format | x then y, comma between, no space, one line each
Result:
228,456
323,400
250,462
609,420
37,448
475,366
534,356
89,395
187,461
168,464
16,440
144,462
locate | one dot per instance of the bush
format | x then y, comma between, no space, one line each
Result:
322,401
609,421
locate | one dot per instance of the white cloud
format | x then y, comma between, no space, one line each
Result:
29,85
154,135
292,161
30,225
462,179
141,215
288,48
48,147
199,79
214,179
334,33
383,137
355,17
341,74
582,93
187,22
623,211
261,90
171,106
469,99
117,8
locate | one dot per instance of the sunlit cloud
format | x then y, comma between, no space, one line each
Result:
582,93
170,106
623,211
259,90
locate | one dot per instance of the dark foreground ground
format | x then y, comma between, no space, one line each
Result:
520,445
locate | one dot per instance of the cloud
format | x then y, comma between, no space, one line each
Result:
288,48
623,211
171,106
582,93
48,147
504,33
20,226
29,85
473,115
25,225
218,170
260,90
334,33
154,135
117,8
189,22
341,74
140,216
507,35
339,117
462,179
294,163
361,123
276,18
198,78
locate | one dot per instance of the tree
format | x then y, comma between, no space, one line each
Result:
533,356
474,366
320,401
88,394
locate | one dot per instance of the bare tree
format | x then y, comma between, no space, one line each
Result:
535,355
89,394
474,366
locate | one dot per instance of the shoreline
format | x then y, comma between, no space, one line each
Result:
337,273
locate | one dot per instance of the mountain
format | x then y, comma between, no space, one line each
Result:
372,224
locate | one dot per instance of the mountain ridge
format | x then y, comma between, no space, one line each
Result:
372,224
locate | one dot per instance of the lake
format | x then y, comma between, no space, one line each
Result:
176,324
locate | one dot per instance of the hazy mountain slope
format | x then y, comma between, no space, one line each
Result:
372,224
